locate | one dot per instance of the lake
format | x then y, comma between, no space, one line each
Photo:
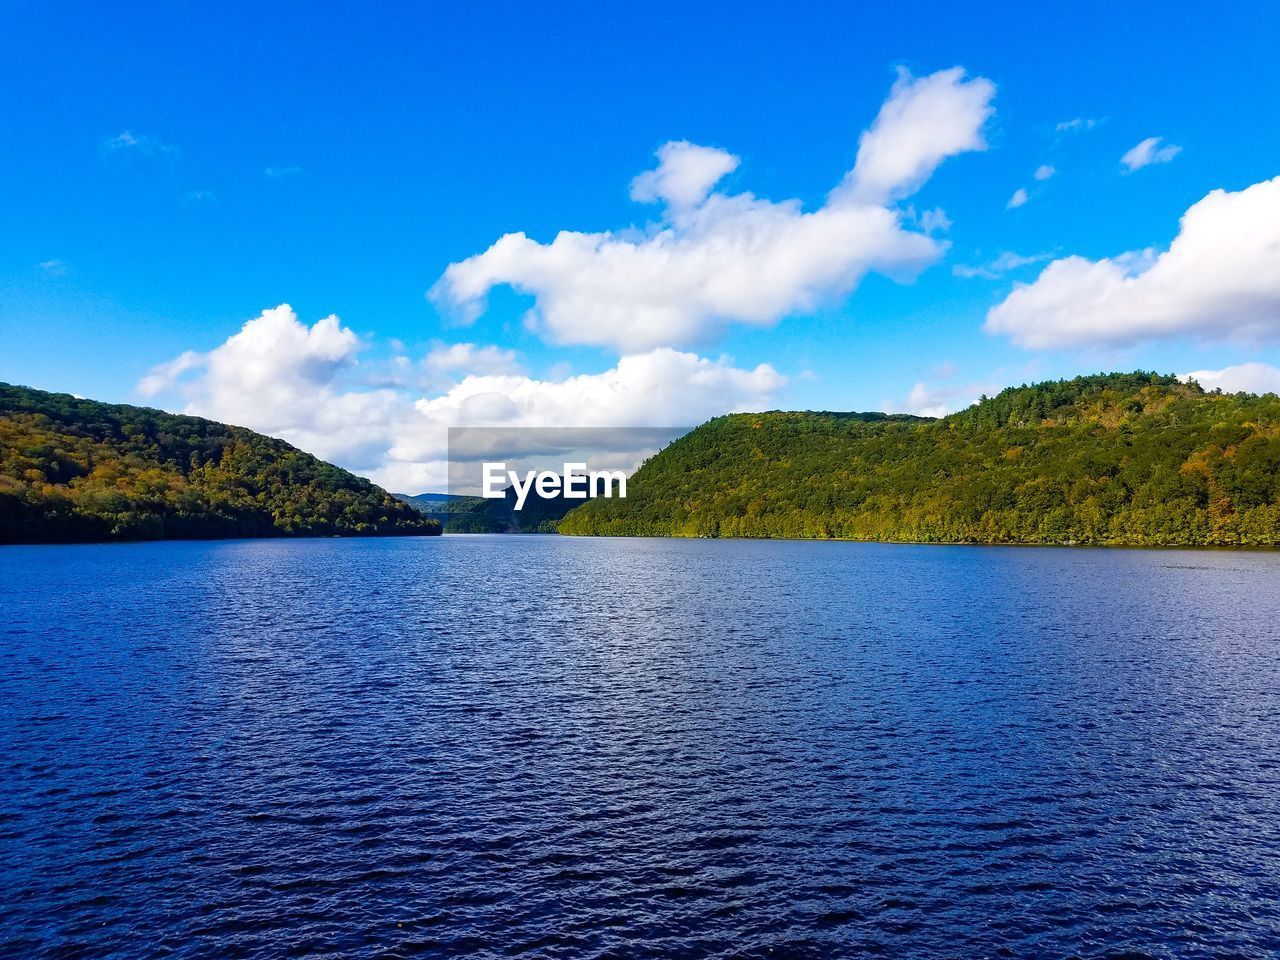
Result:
556,747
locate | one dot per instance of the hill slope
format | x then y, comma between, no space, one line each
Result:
73,470
1136,459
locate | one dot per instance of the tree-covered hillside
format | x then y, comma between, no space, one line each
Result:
1136,458
73,470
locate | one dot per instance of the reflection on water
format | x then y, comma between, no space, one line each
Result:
551,747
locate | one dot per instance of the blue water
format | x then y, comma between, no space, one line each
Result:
547,747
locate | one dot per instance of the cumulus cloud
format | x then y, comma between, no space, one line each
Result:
1218,281
924,121
717,258
685,175
277,375
1241,378
927,401
1147,152
166,376
1020,196
284,378
1044,171
938,400
659,387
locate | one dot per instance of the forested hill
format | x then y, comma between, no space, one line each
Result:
78,470
1137,459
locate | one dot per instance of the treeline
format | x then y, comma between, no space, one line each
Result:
1137,459
78,470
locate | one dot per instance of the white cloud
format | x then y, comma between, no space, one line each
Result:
443,366
1078,125
452,357
1241,378
1044,171
662,387
1219,280
685,175
166,376
938,400
54,268
1148,152
199,196
927,401
288,380
277,376
275,173
717,258
933,221
1019,197
924,121
999,266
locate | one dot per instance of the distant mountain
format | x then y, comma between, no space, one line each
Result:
78,470
1138,459
430,501
464,514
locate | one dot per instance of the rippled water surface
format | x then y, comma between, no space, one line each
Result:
547,747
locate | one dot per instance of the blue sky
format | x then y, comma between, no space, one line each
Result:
169,174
